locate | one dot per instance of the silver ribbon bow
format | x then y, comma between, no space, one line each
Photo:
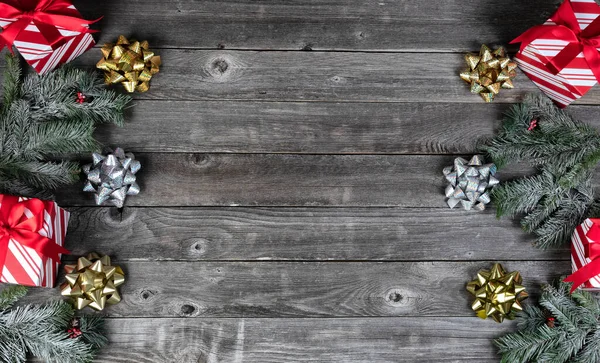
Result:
470,182
112,177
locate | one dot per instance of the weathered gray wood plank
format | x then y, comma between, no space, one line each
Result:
247,340
311,127
305,289
317,76
196,234
284,180
407,25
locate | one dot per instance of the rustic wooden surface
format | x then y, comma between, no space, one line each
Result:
291,206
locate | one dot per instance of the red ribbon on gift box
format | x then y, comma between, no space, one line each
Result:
46,15
567,29
591,245
16,224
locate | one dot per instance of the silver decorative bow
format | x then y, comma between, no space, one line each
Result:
112,177
470,182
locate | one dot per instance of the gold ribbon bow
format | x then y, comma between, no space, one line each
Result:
93,282
488,72
129,63
497,294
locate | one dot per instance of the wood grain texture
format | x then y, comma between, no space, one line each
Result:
285,180
306,289
382,234
317,76
311,127
265,231
199,340
406,25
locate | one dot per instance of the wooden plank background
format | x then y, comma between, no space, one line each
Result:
291,206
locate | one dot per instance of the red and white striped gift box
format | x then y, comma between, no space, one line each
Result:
24,265
43,57
573,81
579,255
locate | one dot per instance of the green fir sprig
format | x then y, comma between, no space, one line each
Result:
564,152
563,328
41,122
42,331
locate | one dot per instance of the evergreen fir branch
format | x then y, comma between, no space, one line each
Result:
520,196
38,175
582,298
591,349
12,77
92,327
60,137
41,330
41,121
557,229
521,347
558,140
573,337
531,319
56,92
564,151
10,295
18,124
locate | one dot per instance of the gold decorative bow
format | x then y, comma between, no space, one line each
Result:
93,282
129,63
497,294
489,71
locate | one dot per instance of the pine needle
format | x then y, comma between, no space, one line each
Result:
574,335
41,331
564,151
40,122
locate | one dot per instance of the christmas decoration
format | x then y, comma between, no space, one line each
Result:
81,98
561,56
564,151
40,121
112,177
93,282
51,33
585,256
470,182
489,72
532,125
74,330
130,63
563,328
32,235
43,331
497,294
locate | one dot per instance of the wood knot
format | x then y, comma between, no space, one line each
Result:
199,159
220,68
395,297
147,295
188,310
308,47
220,65
114,215
361,35
198,246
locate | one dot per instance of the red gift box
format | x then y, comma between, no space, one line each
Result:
32,234
561,56
585,256
45,32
